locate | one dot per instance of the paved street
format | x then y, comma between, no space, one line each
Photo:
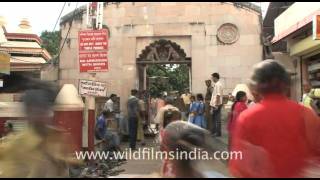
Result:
138,168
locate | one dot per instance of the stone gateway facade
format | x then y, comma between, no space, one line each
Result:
209,36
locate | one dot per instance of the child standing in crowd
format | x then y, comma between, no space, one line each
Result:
192,109
199,119
238,106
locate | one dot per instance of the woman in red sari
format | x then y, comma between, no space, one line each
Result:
238,106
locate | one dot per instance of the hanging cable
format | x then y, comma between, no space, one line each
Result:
65,39
59,16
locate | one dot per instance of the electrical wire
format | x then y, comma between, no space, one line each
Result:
65,39
59,16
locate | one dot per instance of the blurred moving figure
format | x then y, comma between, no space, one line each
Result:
277,137
41,150
180,136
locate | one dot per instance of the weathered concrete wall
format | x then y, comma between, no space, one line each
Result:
192,25
293,66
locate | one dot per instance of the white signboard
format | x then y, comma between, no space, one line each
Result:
1,83
92,88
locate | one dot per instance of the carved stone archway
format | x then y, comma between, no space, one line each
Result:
160,52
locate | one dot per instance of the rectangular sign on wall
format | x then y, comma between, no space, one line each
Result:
92,88
93,50
93,61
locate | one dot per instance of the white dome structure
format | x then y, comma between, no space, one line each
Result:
68,99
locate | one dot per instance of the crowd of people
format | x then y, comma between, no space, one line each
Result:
278,137
194,108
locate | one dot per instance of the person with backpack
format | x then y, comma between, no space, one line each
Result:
161,112
164,115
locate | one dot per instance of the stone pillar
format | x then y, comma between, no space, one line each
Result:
90,104
68,113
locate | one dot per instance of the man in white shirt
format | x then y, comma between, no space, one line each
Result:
216,104
109,105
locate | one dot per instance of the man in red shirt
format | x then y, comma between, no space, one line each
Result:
277,137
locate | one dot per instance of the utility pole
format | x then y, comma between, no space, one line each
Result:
93,9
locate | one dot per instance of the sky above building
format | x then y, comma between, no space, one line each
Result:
43,15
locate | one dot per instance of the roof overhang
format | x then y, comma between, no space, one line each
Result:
22,50
294,28
23,37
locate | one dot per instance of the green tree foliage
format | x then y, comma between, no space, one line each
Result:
51,42
177,78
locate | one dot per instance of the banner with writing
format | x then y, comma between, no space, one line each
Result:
92,88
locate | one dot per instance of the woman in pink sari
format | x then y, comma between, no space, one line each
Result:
238,106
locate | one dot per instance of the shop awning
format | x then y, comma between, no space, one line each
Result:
294,28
